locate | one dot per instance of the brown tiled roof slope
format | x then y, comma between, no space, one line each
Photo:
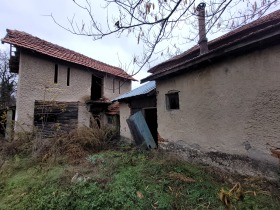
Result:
230,37
27,41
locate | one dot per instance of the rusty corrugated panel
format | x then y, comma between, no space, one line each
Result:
140,130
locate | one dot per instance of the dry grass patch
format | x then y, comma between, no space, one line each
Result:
75,145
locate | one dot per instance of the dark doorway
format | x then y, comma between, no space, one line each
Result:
151,119
96,88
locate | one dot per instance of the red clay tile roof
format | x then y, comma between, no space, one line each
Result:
27,41
231,37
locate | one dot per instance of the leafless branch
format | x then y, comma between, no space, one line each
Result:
156,21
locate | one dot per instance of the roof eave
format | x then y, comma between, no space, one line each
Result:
9,40
219,52
13,43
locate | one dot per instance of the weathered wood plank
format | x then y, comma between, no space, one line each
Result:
53,117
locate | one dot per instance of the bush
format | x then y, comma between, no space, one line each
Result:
20,146
75,145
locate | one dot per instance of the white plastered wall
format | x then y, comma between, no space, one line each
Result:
36,82
124,115
120,86
231,107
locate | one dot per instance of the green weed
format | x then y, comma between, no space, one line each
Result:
117,179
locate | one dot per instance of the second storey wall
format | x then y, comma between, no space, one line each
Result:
115,86
37,82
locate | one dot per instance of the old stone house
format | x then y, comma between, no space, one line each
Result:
219,102
60,87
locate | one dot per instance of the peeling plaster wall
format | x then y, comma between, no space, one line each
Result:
124,115
232,107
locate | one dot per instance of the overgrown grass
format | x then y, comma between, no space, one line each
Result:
74,145
120,179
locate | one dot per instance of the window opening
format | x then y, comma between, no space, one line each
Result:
113,85
119,87
68,76
55,73
172,100
96,88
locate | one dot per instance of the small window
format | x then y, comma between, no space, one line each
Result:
55,73
172,100
113,85
68,76
120,87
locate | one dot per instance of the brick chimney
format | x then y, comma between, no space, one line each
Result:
202,31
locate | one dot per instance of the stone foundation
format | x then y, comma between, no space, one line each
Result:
239,164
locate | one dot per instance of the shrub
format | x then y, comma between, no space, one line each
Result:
20,146
74,145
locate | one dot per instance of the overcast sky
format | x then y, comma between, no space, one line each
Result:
31,16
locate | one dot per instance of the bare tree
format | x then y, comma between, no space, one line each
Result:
7,82
172,22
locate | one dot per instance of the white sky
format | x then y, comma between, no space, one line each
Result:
31,16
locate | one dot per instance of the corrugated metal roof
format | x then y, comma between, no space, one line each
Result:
146,88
